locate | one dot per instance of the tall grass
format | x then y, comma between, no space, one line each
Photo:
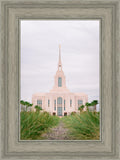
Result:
84,126
33,124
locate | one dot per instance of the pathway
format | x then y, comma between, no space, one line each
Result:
57,133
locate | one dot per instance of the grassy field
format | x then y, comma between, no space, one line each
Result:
33,124
84,126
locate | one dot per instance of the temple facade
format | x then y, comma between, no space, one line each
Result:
59,100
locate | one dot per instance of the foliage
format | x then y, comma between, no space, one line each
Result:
84,126
81,108
93,103
38,108
22,102
73,113
33,124
26,104
88,104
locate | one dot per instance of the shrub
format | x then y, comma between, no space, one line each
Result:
84,126
38,108
33,124
73,113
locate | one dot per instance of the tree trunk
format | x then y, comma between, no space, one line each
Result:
95,107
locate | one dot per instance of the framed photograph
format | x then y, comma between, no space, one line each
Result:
61,112
60,79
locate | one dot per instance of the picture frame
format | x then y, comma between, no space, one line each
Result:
107,12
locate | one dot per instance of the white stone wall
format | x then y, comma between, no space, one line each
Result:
54,96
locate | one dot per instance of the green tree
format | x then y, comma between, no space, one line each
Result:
26,104
22,104
94,103
81,108
87,105
38,108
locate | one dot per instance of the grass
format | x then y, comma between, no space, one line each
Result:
33,124
84,126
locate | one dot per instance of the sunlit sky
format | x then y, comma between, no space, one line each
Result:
79,42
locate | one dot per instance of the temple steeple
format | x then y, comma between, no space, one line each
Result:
59,62
59,79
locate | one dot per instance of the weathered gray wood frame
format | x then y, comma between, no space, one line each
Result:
12,11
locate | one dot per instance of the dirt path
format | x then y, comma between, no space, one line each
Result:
57,133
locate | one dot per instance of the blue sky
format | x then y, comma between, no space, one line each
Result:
79,53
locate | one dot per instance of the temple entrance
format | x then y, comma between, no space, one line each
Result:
59,111
59,106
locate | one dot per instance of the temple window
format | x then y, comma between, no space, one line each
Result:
70,102
59,100
55,104
59,82
39,103
64,103
48,103
80,102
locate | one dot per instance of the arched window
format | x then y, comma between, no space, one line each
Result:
59,82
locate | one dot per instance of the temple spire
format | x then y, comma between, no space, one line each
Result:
59,63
